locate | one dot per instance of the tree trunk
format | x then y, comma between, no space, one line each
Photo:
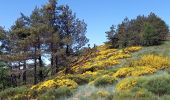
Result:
52,59
25,73
40,61
40,71
56,63
67,50
35,67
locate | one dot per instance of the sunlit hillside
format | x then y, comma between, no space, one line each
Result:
104,73
84,50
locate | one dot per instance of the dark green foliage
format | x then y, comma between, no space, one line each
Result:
3,40
144,30
52,32
104,80
132,96
11,92
56,94
4,77
159,85
79,80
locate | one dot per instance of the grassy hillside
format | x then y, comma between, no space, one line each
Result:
133,73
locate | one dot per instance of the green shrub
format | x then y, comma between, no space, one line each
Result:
79,79
158,84
165,97
11,92
54,94
145,95
104,80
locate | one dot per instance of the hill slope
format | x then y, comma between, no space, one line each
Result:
105,73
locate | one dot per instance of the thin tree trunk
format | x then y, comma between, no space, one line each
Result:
40,61
56,63
25,73
67,50
52,59
35,67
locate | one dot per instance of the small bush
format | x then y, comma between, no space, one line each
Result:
146,95
126,84
158,85
134,71
165,97
10,92
79,79
54,84
104,80
54,94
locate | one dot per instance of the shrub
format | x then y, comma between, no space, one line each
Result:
134,71
146,95
126,84
132,49
79,79
55,84
54,94
158,84
154,61
165,97
45,85
11,92
104,80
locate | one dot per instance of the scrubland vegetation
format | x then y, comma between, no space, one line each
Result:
133,64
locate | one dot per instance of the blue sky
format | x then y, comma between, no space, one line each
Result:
98,14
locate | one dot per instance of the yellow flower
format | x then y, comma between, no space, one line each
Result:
132,49
153,61
54,84
134,71
126,84
102,58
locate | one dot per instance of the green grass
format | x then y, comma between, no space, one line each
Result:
162,50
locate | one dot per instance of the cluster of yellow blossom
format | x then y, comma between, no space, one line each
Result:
67,82
85,77
45,85
103,93
154,61
96,65
134,71
132,49
89,73
104,58
126,84
55,84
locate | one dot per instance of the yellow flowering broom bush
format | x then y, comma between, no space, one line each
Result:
45,85
134,71
132,49
154,61
126,84
103,58
55,84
